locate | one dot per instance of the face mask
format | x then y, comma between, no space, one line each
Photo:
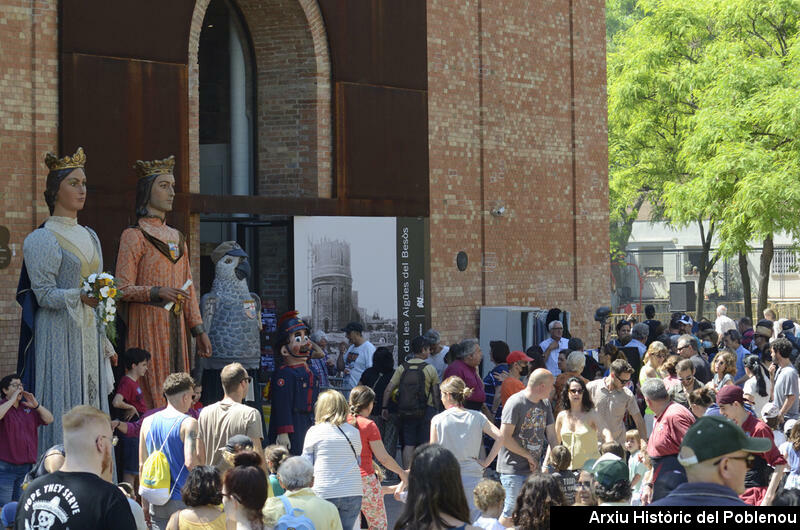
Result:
524,371
707,344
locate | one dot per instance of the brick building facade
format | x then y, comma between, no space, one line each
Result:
431,108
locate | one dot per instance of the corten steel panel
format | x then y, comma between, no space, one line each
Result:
156,30
382,142
120,111
260,204
378,42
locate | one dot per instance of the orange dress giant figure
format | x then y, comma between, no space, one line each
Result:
152,269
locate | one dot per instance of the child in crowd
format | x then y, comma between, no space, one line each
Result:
790,449
614,448
489,497
636,465
8,514
560,459
275,455
236,444
196,405
129,402
770,413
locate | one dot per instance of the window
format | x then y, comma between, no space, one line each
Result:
651,261
784,261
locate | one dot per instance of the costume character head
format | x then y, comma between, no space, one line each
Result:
291,340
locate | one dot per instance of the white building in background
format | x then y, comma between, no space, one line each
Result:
663,254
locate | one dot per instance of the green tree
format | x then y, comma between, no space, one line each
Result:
746,132
654,77
703,120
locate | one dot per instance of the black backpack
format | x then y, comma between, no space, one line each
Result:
411,398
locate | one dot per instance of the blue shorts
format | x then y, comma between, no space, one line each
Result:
416,431
513,485
130,455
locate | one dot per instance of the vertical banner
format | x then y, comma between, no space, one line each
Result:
370,270
413,316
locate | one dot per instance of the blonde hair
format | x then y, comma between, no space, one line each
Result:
633,434
81,424
275,455
79,417
794,436
729,359
360,398
456,388
331,408
231,376
488,494
654,348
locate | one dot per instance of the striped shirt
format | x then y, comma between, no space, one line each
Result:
336,470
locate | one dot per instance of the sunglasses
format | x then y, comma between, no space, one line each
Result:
749,460
576,391
584,484
114,439
687,379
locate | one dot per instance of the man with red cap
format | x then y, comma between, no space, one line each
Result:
517,369
760,487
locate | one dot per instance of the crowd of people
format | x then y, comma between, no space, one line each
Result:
675,414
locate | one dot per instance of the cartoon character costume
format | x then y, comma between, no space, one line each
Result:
291,385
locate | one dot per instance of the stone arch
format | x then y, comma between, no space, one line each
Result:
293,96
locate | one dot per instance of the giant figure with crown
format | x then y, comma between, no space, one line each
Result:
64,355
154,277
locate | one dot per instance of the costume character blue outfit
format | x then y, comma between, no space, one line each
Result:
291,385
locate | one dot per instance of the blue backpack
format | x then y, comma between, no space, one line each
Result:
293,519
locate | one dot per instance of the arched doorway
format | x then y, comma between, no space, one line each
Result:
263,125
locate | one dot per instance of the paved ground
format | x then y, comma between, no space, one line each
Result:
393,509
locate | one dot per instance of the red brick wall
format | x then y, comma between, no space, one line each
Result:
28,129
501,127
501,133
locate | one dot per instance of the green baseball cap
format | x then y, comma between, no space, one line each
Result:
714,436
608,471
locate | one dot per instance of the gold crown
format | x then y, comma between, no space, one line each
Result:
154,167
68,162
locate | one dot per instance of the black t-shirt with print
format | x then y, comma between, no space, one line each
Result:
62,500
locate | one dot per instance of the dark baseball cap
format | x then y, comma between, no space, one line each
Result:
353,326
714,436
608,472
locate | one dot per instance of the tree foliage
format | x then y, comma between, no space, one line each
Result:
704,101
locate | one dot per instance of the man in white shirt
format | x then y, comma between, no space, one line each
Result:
361,349
723,322
552,345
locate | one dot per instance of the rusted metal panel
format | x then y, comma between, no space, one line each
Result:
382,142
156,30
121,110
379,42
262,205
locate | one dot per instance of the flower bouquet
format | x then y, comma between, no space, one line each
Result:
103,287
